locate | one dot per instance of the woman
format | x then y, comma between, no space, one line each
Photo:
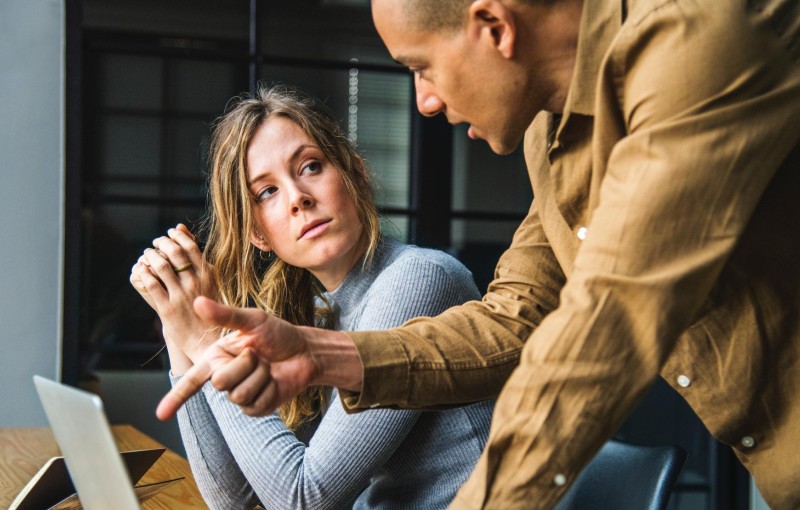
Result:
287,185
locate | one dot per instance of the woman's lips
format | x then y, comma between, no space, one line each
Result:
315,230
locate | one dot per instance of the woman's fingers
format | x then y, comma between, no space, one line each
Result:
175,254
183,228
148,286
161,267
187,242
137,284
180,247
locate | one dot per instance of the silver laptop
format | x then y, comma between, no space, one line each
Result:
87,444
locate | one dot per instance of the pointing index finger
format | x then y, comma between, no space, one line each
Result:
191,382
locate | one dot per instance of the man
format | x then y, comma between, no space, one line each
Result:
661,139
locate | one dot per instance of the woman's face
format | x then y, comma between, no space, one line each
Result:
302,209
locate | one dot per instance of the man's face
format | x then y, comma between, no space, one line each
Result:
458,76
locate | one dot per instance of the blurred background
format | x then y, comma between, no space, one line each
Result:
109,105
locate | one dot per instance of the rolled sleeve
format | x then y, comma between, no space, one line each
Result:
386,371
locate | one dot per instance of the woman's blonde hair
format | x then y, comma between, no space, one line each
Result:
242,275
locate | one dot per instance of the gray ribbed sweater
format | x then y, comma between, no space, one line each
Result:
375,459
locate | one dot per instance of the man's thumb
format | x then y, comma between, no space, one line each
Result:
215,313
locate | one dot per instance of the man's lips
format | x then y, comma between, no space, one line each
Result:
313,228
471,132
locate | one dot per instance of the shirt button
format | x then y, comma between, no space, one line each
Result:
582,233
748,442
560,479
684,381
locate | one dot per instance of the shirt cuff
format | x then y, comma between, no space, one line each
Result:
386,368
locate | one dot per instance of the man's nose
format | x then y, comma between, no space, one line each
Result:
428,103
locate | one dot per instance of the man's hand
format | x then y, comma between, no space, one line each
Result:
265,361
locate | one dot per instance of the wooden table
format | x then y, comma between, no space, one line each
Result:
24,450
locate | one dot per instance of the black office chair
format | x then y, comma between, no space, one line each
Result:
626,477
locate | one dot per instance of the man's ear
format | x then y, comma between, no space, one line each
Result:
257,240
494,22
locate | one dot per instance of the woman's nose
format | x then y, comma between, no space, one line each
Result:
301,200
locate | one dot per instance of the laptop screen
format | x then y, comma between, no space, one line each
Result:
87,444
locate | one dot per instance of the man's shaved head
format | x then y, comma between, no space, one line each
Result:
442,15
437,15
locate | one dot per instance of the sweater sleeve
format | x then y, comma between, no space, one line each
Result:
345,450
328,473
423,283
219,479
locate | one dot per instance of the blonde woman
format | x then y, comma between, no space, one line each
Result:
294,230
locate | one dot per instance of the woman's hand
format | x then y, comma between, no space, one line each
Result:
169,277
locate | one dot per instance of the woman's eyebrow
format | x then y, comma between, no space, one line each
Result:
294,155
300,149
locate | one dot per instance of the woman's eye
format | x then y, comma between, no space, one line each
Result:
267,192
311,168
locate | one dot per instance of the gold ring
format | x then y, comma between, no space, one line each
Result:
184,267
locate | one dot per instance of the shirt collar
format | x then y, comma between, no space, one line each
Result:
600,23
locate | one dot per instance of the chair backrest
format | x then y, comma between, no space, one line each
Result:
626,477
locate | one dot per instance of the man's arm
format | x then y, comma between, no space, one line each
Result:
467,353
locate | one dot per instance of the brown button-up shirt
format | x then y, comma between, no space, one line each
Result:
663,238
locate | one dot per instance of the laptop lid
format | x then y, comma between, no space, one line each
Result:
87,444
